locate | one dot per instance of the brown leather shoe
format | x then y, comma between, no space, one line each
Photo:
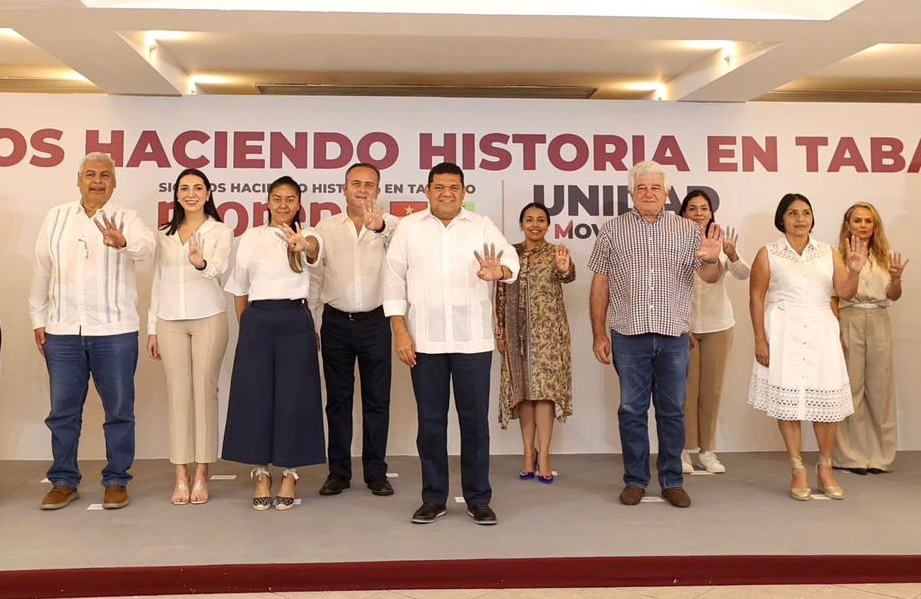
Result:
631,495
58,497
116,497
677,496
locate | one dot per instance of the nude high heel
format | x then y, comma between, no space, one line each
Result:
830,492
799,493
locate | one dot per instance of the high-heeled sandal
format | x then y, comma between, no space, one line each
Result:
829,491
529,475
286,503
261,503
200,489
180,492
799,493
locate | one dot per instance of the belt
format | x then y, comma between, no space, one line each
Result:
277,304
379,311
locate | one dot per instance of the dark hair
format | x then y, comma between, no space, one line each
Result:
295,259
363,165
446,168
697,193
533,205
179,212
784,204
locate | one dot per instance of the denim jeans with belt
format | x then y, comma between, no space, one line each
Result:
111,360
655,367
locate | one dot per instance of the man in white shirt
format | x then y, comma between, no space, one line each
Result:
349,285
441,266
83,307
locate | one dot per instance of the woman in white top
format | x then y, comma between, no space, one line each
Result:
275,413
867,441
711,337
799,372
187,327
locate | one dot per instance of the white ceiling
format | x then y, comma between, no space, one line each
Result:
670,50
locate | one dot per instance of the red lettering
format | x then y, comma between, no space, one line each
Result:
243,148
148,149
19,149
41,143
428,150
529,143
720,159
391,149
165,212
639,149
604,157
812,145
561,232
766,156
220,149
321,143
847,154
318,208
490,146
668,153
114,148
280,147
886,155
241,219
180,147
468,151
555,152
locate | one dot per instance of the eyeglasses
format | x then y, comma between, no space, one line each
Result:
86,247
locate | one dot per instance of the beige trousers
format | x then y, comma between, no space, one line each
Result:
705,385
192,352
867,438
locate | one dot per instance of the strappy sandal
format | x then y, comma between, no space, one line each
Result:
200,492
261,504
286,503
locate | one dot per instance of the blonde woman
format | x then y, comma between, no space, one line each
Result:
867,439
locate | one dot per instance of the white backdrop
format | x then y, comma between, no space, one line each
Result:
572,154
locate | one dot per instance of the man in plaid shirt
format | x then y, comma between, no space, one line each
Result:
644,263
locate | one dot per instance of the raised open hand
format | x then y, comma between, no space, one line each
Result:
856,254
563,259
896,265
730,238
711,244
296,242
490,268
374,218
196,254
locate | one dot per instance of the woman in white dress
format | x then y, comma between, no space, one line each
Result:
867,441
799,372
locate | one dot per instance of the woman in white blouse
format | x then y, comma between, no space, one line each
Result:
711,338
275,413
867,440
187,327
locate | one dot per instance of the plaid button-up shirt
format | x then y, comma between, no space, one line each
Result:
650,268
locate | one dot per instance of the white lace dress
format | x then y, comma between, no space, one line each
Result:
807,376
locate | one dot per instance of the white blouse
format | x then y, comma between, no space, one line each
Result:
711,311
261,269
182,292
871,288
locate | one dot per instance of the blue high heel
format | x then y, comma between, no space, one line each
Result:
547,480
529,475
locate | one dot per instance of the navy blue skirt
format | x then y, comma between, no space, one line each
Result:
275,413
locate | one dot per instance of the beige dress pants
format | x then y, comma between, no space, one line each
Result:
705,385
192,352
867,438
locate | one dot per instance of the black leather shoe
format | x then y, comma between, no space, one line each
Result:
428,513
380,486
482,514
334,485
877,471
860,471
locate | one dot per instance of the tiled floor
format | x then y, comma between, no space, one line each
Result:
857,591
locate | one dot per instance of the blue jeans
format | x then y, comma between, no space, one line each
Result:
651,366
111,360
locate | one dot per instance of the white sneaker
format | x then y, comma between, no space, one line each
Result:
710,462
686,466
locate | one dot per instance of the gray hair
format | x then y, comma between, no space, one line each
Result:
648,167
96,157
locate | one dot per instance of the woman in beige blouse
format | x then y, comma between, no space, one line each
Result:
867,439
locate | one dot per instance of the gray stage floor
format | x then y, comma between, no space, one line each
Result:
744,512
